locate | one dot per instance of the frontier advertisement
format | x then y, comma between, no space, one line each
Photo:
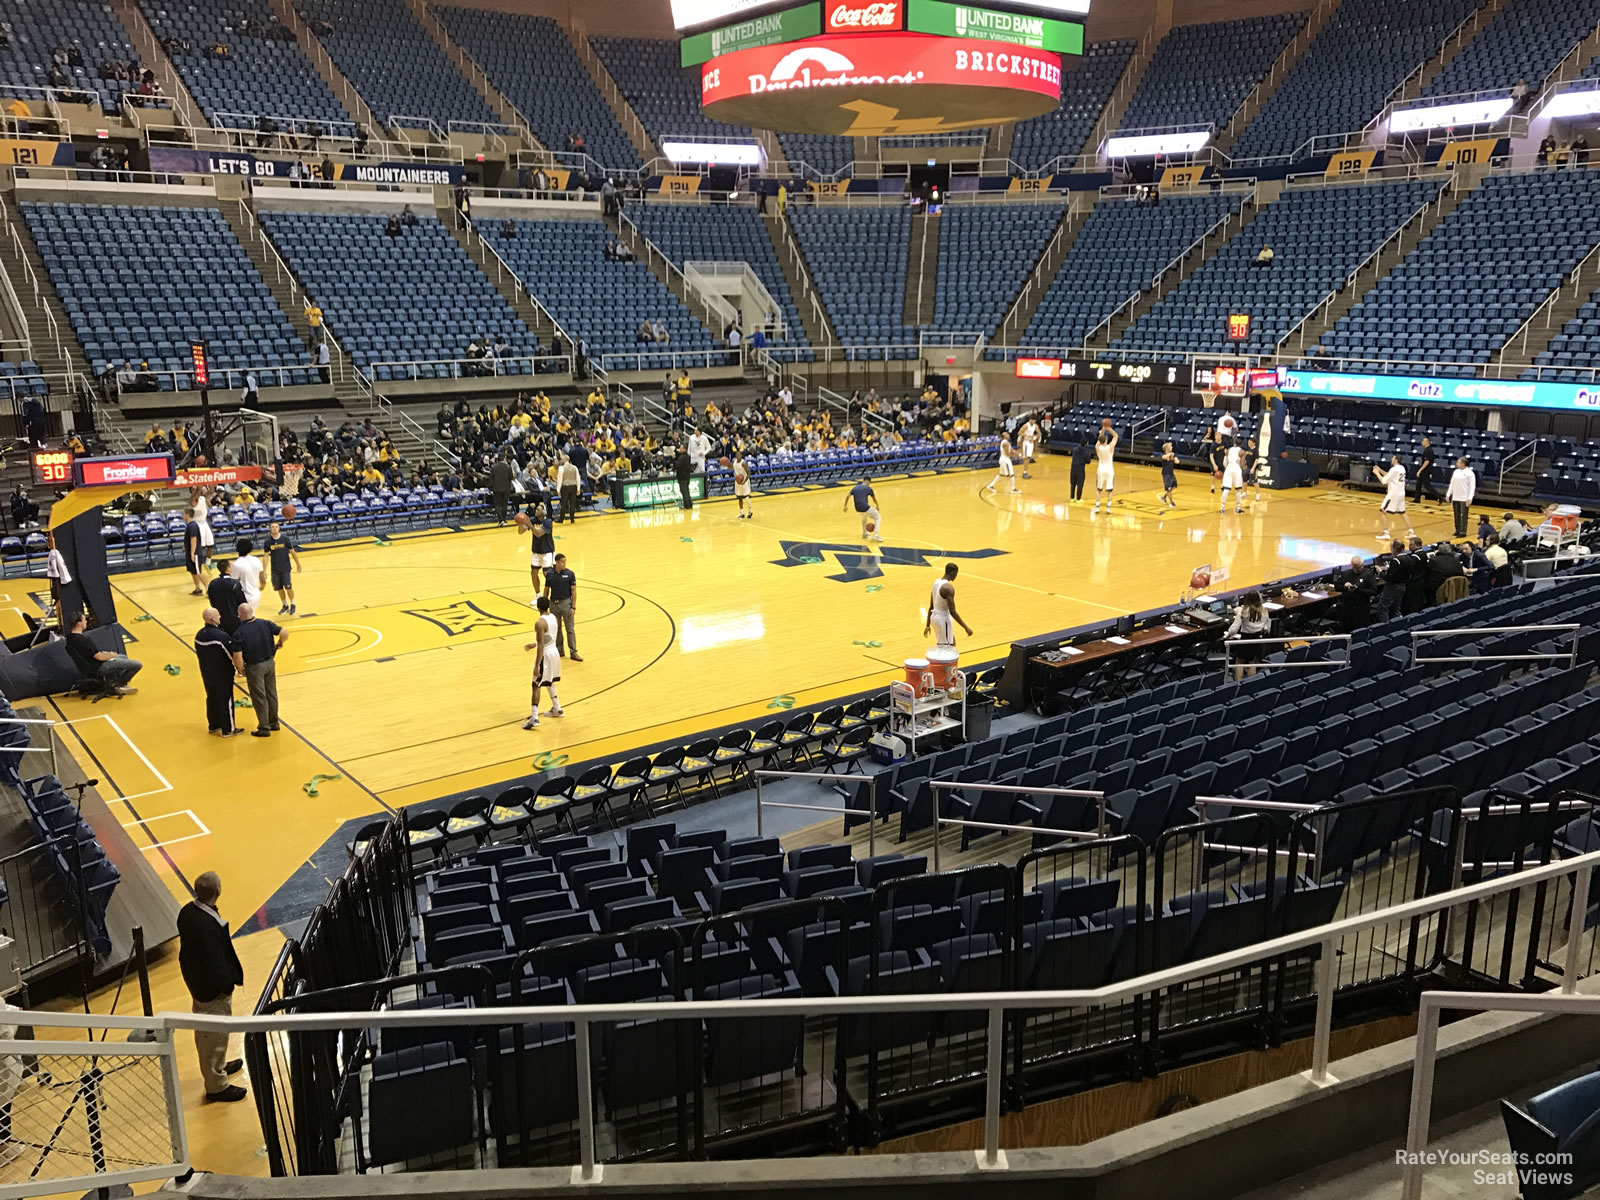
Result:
1416,389
1017,29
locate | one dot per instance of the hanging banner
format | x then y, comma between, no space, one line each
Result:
220,162
831,187
680,185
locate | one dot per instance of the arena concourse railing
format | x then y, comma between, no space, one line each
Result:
1318,315
528,366
940,821
1570,655
141,1126
1556,1173
1232,646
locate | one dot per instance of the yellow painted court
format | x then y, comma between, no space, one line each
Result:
406,674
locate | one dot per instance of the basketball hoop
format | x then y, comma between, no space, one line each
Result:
1208,397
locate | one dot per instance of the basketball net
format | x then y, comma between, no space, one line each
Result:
292,474
1208,398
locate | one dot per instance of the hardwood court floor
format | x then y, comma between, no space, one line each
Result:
406,676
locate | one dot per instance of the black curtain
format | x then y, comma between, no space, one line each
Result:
84,548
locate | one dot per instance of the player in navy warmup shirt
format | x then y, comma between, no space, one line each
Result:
281,550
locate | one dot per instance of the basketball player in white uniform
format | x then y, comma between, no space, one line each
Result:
1030,440
942,615
1233,479
1394,496
1006,471
741,487
547,671
1105,471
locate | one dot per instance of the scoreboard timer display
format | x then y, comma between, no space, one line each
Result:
51,468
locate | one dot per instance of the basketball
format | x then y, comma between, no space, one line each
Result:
289,512
1200,580
199,460
872,527
725,462
524,521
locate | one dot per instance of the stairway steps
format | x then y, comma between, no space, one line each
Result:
798,276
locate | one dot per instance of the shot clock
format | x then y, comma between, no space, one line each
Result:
51,468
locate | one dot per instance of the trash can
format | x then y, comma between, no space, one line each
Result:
980,716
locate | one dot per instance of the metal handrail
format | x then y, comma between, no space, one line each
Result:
458,366
1288,58
1158,284
946,785
820,777
1372,260
616,101
1530,450
584,1016
1547,309
504,268
1228,661
1571,656
1431,1007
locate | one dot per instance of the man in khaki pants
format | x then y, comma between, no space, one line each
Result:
211,971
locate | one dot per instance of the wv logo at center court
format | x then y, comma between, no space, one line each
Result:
861,563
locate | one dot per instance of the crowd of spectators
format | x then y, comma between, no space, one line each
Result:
1412,576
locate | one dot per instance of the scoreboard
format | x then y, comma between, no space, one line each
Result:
1013,22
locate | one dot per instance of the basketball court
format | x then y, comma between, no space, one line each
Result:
406,677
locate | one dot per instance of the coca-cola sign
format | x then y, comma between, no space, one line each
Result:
854,16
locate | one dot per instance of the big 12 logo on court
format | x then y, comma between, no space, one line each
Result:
858,17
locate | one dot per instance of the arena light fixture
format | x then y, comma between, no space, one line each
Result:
718,154
1445,116
1151,145
1573,104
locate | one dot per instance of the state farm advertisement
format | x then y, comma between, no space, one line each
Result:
864,16
216,476
864,64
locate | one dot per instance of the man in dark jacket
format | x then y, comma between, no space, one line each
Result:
500,477
1082,453
683,468
225,594
211,971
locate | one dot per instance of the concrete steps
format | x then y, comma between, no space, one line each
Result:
631,125
664,269
153,57
1223,233
341,87
1029,296
1460,38
813,314
56,351
505,282
1268,87
1122,94
1319,324
481,83
922,271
